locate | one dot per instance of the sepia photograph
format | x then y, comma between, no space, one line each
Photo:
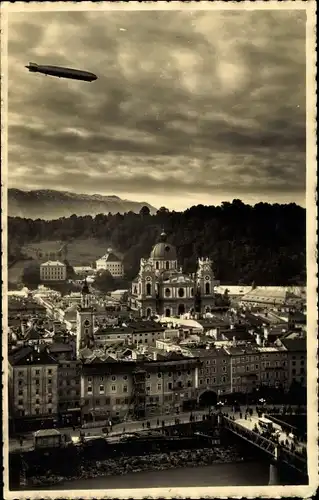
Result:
159,249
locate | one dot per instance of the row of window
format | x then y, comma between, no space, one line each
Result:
36,381
37,402
159,375
35,372
180,292
212,370
212,380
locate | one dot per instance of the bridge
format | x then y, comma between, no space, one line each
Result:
277,451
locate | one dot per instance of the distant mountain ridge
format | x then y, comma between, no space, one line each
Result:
52,204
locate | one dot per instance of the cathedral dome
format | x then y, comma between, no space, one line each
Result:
163,250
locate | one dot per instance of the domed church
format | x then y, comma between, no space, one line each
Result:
162,288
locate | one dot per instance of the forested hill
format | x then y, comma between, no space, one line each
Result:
265,244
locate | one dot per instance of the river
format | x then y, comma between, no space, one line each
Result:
231,474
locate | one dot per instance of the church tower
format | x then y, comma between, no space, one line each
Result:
206,283
84,321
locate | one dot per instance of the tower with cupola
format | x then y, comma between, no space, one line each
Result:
205,284
84,321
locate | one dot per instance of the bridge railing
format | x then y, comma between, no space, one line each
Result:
250,436
290,458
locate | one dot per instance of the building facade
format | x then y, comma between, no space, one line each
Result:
161,287
138,389
34,388
214,374
112,263
53,271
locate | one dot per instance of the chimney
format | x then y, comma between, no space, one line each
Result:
232,326
154,356
266,333
258,339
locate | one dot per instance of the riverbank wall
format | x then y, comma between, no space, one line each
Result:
67,461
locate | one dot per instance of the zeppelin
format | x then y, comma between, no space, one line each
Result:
61,72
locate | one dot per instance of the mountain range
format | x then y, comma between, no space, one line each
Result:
50,204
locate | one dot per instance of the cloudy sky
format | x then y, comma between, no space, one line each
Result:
189,107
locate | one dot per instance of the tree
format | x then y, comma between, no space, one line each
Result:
31,275
145,211
104,281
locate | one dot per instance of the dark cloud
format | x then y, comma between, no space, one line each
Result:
200,104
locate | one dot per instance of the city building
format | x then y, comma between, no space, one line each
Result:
112,263
33,386
271,297
138,389
214,374
53,270
161,287
296,351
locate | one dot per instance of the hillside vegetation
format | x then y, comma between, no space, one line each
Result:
265,244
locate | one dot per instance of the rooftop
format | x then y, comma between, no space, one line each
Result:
30,356
295,344
52,263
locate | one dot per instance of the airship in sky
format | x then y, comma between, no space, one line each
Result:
61,72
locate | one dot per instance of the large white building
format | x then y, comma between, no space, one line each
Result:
112,263
53,270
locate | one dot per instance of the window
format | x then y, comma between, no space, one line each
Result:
20,374
125,377
207,288
167,265
224,368
37,381
101,379
20,402
170,386
148,289
89,379
189,383
113,377
37,372
169,374
37,391
181,292
20,393
117,401
207,381
50,372
124,388
159,375
97,402
101,388
224,379
89,389
167,292
257,367
49,381
159,387
113,388
37,411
